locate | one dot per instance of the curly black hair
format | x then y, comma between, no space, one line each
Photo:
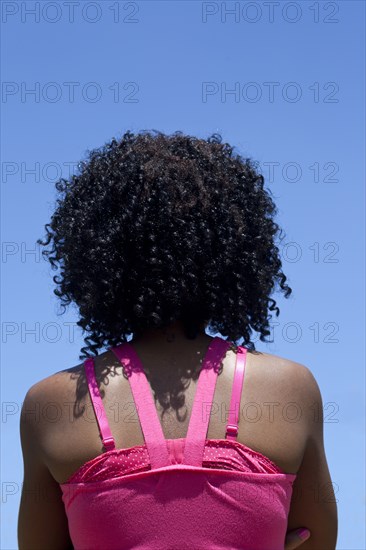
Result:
156,228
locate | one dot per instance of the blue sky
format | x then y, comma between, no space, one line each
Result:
283,82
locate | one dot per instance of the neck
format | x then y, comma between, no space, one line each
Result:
169,337
171,361
169,357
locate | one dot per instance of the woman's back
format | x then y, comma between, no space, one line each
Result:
279,431
272,420
256,476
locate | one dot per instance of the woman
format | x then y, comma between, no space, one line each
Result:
172,439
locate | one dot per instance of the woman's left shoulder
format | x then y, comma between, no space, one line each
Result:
51,387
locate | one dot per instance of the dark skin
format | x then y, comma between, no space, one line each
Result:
53,451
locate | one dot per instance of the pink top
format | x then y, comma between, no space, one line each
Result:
182,493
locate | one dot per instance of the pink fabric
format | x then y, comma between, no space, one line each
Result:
177,493
218,453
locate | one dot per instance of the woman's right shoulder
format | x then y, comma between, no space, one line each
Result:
281,400
291,380
283,368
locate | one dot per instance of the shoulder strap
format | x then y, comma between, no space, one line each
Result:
200,415
144,402
150,424
105,432
232,423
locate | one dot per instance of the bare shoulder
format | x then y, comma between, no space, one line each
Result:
52,386
64,387
45,401
281,364
288,381
287,372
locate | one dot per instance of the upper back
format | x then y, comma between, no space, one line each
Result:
273,417
280,414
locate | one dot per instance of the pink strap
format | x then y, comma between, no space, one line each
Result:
200,415
150,424
105,432
153,433
232,424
